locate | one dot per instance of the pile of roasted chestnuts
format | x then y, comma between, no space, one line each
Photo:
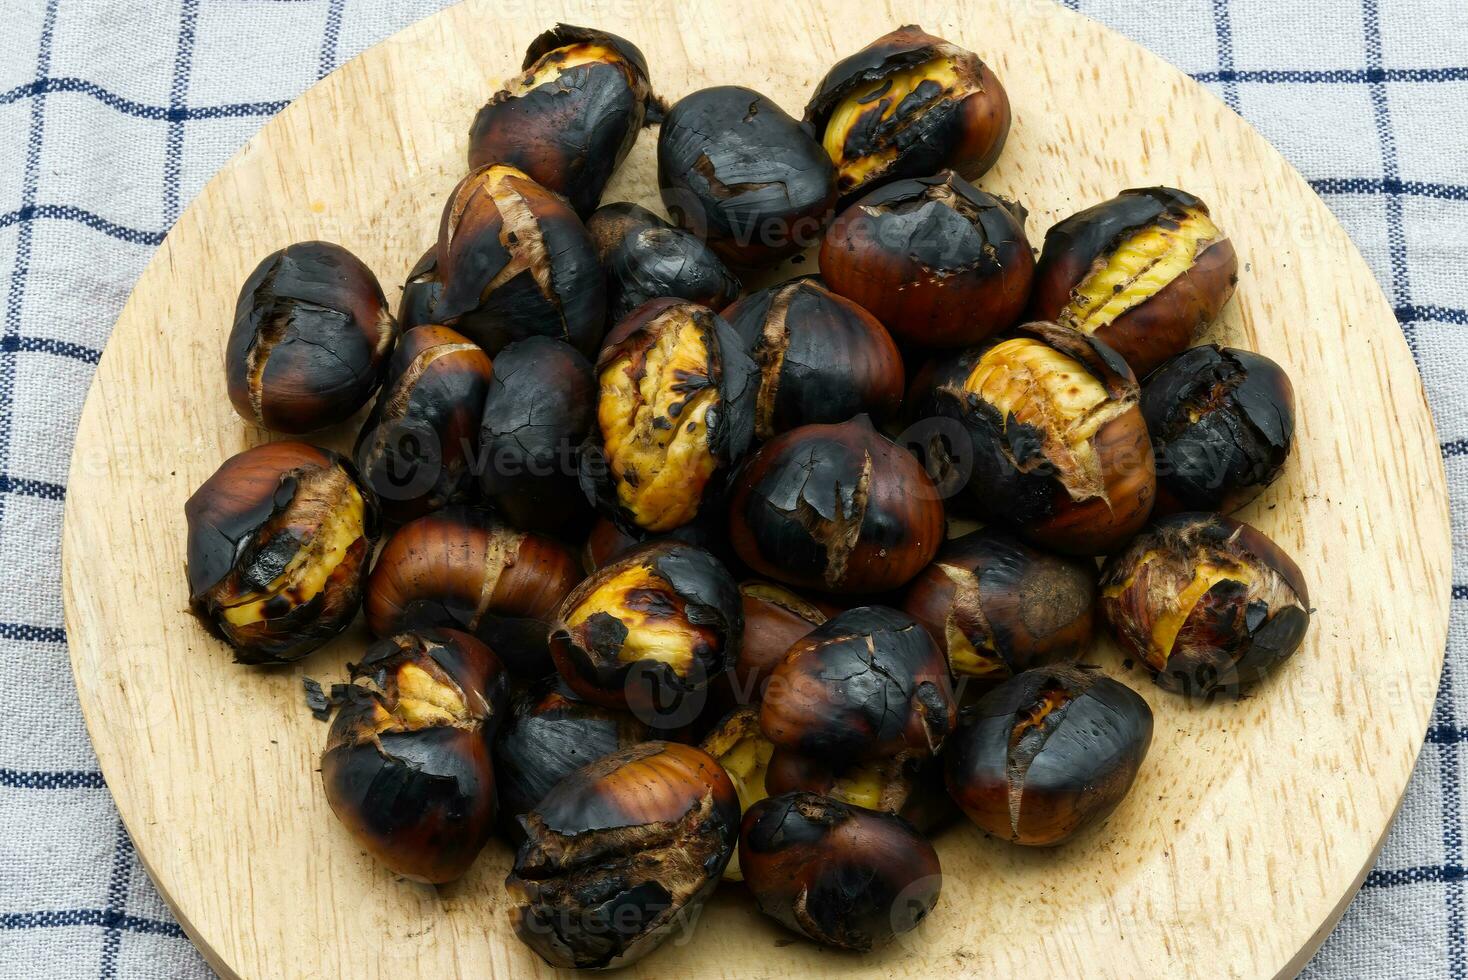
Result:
676,581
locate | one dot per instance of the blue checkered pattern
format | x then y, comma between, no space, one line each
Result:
112,115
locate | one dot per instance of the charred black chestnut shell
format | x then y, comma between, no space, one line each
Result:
1048,753
646,258
421,292
822,358
1222,421
571,131
739,172
310,341
540,406
841,875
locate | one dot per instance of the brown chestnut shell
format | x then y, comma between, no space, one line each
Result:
421,292
774,619
646,258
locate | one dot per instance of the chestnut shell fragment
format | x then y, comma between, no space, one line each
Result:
646,258
1222,421
311,338
621,853
844,876
1210,605
407,763
1047,753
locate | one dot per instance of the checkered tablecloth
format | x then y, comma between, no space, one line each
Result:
113,114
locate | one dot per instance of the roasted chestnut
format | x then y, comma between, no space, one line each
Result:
310,341
676,408
1145,272
458,567
744,752
621,853
740,173
821,358
569,119
407,766
279,539
838,508
607,541
1049,430
907,105
1048,753
866,684
516,262
910,786
421,292
774,618
937,260
539,409
1210,605
1222,421
417,448
841,875
548,735
646,258
997,607
649,632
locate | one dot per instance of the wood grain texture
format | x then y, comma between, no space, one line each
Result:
1251,824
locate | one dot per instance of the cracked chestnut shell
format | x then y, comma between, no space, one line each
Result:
421,292
646,258
539,408
1047,753
675,409
416,450
407,764
548,735
1209,604
821,358
910,786
740,173
997,606
278,544
516,262
570,117
866,684
841,875
461,568
837,508
742,749
1145,272
907,105
649,632
937,260
311,338
1222,421
774,618
1051,436
622,854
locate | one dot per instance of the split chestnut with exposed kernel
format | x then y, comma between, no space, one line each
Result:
744,752
908,784
646,258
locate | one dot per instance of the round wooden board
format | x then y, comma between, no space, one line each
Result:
1251,825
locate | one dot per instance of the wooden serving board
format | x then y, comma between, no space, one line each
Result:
1251,825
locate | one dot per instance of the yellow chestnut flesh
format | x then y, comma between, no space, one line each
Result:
653,615
877,103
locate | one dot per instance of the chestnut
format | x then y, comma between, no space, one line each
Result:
1145,272
744,752
774,618
910,786
1222,421
839,508
676,408
645,258
740,173
907,105
417,448
1051,435
516,262
821,358
278,543
998,607
1209,604
548,735
621,853
841,875
407,765
571,116
937,260
460,568
539,409
649,632
607,541
1047,753
421,292
866,684
310,340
